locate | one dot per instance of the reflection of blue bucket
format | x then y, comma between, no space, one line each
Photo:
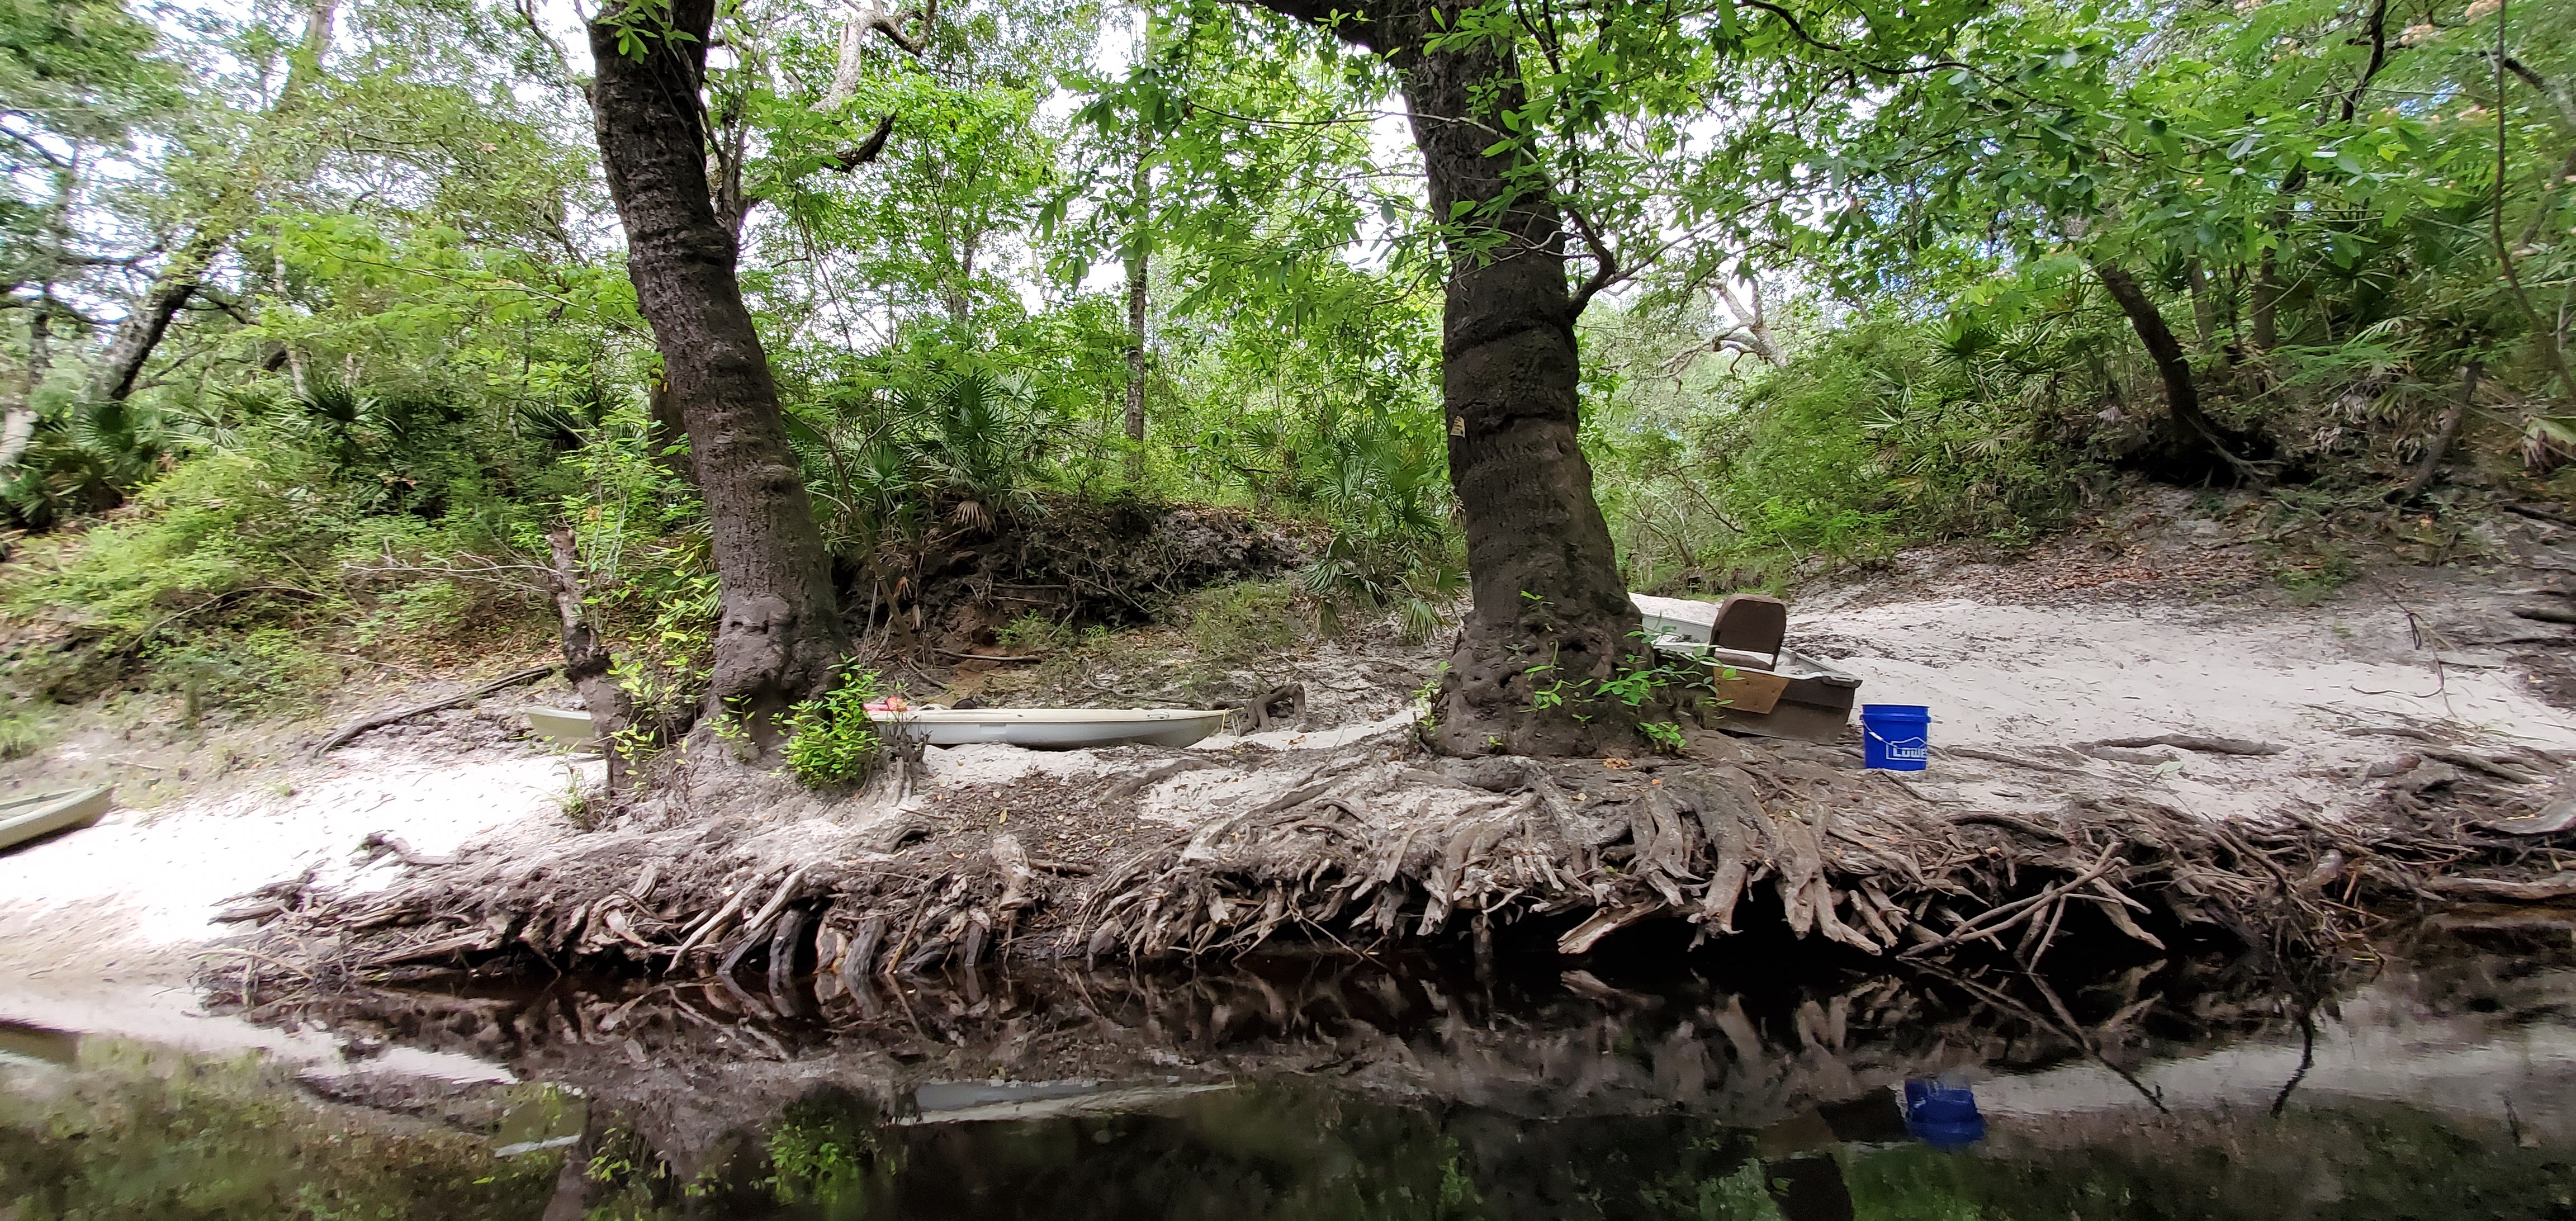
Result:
1942,1116
1897,737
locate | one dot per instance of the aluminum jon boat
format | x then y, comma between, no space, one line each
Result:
1053,728
42,814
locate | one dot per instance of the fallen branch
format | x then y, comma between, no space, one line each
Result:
1996,756
379,720
2195,742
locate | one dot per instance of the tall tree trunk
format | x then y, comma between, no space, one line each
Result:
1138,266
2182,396
17,408
780,635
1551,616
120,365
2266,307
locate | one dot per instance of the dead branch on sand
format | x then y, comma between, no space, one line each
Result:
378,720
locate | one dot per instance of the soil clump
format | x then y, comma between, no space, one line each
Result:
948,600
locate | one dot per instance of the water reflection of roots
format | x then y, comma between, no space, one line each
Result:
1748,1052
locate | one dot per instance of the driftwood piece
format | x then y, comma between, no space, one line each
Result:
783,945
2124,754
378,720
891,835
2480,763
2557,817
2561,885
1129,786
757,927
1582,937
1262,710
1013,864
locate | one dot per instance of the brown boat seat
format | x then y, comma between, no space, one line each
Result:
1753,624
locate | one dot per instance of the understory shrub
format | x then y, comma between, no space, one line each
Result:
830,740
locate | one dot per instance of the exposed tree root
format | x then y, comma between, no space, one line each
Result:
1365,846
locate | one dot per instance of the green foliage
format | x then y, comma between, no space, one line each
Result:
830,740
1035,633
1386,494
825,1153
22,732
1871,437
1252,624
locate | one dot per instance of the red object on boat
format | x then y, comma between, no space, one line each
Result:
891,703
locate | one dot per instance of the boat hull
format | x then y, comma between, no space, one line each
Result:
42,814
570,726
1053,728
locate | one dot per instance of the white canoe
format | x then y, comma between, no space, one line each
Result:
570,726
1054,728
39,814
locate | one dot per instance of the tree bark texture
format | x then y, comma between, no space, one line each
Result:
779,638
1550,617
2266,309
2182,396
1137,269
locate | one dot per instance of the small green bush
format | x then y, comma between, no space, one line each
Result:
1247,623
21,734
830,740
1035,633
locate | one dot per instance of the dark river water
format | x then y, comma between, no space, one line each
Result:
2433,1078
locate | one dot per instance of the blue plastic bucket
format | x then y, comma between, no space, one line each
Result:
1897,737
1942,1116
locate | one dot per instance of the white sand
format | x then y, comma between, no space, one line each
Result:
1997,674
2025,679
100,928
